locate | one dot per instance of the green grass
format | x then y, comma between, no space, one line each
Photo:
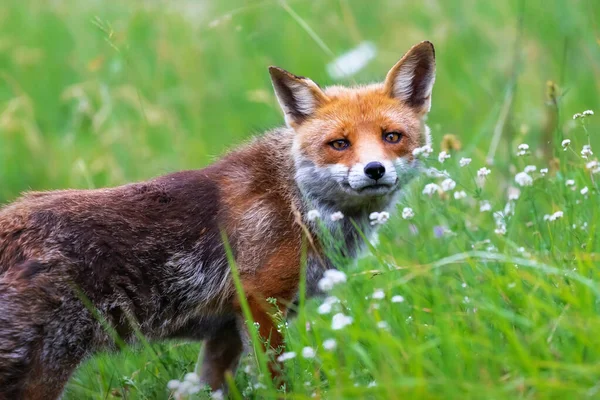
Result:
95,94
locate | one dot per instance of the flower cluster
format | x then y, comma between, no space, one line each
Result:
288,355
330,278
483,172
523,149
340,321
329,344
313,215
586,151
593,167
424,151
189,386
326,306
524,179
408,213
448,184
584,114
430,189
460,194
379,218
553,217
443,156
336,216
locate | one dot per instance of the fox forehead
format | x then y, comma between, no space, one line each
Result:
361,115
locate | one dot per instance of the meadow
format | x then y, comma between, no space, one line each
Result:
488,289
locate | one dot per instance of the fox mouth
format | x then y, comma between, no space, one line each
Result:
374,188
378,189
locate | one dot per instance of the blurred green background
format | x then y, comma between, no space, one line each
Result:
99,93
96,93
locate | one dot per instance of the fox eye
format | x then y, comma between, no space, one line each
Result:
340,144
392,137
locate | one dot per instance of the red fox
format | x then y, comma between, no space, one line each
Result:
149,257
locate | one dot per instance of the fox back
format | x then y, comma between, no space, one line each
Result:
150,257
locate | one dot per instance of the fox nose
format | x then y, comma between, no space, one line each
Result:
374,170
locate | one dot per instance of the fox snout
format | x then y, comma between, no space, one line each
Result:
374,177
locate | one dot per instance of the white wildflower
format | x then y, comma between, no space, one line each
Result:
379,218
217,395
513,193
570,182
397,299
173,384
584,191
408,213
330,278
329,344
313,215
308,352
483,172
586,151
553,217
460,194
378,294
593,166
339,321
324,308
436,173
587,112
372,384
565,144
509,208
523,149
529,169
577,115
336,216
286,356
500,229
192,377
430,189
448,185
383,325
523,179
188,386
424,151
544,171
485,206
443,156
464,162
329,301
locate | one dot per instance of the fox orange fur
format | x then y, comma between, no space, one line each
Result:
149,256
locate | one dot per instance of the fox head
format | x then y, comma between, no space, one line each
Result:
355,144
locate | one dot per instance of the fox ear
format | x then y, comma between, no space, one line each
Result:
298,97
411,79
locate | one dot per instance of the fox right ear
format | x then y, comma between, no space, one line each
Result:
298,97
411,79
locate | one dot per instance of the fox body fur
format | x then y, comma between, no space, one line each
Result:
149,257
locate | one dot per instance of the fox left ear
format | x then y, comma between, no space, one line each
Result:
298,97
411,79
